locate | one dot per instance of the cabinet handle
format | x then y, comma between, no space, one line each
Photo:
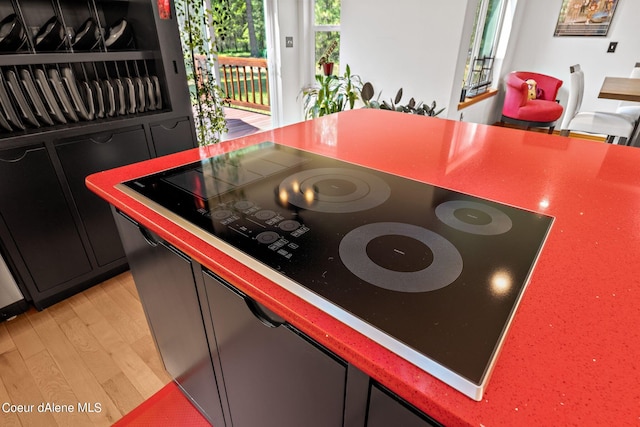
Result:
101,139
269,319
16,156
148,237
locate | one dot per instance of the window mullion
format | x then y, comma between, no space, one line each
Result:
327,28
482,18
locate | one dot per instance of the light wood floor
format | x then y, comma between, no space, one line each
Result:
93,350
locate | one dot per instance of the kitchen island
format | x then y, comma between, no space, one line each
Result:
570,355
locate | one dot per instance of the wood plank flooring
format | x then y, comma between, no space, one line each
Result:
242,123
91,354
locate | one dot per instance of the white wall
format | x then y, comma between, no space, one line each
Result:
287,23
536,49
409,44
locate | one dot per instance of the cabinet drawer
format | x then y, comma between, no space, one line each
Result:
273,374
172,136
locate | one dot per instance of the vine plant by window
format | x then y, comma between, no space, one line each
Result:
199,56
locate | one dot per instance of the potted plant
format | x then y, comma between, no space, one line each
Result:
206,95
394,104
331,94
325,60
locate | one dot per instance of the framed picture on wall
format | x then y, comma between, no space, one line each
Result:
585,17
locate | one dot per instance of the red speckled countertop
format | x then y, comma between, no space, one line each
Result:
572,354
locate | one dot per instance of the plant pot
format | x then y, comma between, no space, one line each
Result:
327,68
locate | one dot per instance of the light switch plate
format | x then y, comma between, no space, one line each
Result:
288,41
612,47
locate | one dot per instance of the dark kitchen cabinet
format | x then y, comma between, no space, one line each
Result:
125,102
238,362
165,282
39,222
94,153
386,409
273,374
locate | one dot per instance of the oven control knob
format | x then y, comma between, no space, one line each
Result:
267,237
289,225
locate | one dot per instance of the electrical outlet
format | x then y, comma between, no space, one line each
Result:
612,47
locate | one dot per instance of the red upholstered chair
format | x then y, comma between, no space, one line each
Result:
542,112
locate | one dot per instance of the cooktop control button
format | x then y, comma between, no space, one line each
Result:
243,205
221,214
265,214
289,225
267,237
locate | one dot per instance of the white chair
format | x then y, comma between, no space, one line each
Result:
629,108
618,126
632,109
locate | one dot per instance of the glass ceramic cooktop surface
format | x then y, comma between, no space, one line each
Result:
432,274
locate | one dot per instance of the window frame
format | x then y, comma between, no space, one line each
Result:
474,48
310,65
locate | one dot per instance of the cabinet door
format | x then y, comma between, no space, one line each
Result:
165,283
37,215
92,154
273,376
172,136
387,410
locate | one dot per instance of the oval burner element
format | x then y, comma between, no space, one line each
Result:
473,217
265,214
289,225
267,237
334,190
426,260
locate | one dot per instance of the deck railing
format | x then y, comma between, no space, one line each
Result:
245,82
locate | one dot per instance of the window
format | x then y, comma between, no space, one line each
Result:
326,30
482,50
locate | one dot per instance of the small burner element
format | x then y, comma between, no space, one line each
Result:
334,190
473,217
400,257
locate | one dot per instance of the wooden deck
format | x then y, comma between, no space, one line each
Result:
242,123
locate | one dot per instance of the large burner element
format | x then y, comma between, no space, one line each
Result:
473,217
422,260
334,190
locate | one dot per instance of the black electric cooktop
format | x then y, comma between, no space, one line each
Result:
432,274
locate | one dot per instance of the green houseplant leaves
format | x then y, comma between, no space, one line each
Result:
331,94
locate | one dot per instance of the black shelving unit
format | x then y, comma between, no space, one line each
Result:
69,108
